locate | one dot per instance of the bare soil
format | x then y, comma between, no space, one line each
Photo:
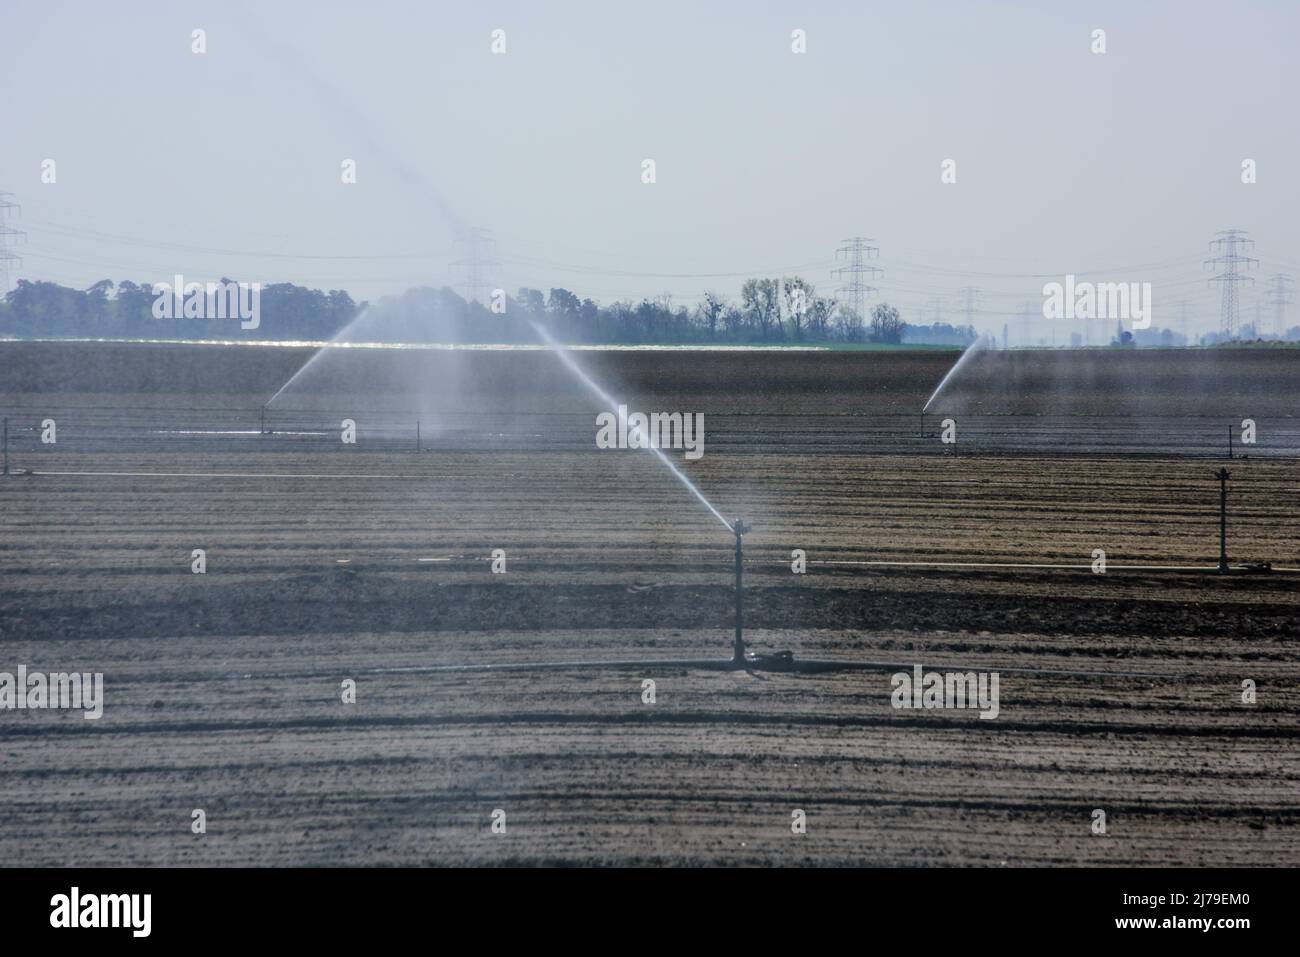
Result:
1120,691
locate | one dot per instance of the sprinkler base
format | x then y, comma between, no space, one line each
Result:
777,661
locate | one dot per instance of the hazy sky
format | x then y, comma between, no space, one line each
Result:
228,163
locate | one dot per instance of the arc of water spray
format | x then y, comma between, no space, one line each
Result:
331,92
971,349
605,397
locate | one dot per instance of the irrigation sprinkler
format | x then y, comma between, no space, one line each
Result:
738,651
6,444
1222,475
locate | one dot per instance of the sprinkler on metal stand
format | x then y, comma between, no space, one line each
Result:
766,661
738,652
1223,475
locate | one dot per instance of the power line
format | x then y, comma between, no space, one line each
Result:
913,286
638,274
986,274
118,239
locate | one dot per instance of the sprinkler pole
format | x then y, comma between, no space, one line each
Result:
417,435
738,651
6,444
1222,476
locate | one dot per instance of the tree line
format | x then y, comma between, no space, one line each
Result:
766,311
125,311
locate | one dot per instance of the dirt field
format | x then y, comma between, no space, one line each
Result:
1120,691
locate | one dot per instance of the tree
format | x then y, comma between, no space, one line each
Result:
886,326
97,308
759,297
563,308
848,324
134,304
819,317
733,320
589,316
645,319
799,295
711,310
532,302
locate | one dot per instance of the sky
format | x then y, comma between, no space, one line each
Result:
1119,166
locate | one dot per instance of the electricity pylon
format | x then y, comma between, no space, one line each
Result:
1279,299
855,252
7,235
1231,264
478,261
